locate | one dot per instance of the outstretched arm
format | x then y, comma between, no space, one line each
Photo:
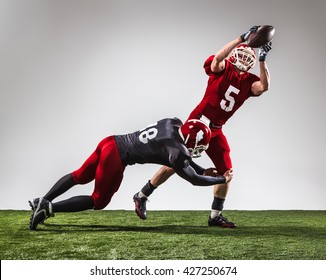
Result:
187,172
218,63
263,84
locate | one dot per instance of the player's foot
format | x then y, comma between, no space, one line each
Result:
220,221
33,203
42,209
140,206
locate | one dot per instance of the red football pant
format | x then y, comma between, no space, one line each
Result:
219,151
105,166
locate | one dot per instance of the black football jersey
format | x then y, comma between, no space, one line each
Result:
158,143
162,144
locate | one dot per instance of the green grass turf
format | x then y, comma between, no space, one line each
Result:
165,235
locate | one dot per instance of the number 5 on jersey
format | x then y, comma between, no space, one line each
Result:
229,98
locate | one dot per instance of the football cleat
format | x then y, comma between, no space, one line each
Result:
140,206
33,203
220,221
41,210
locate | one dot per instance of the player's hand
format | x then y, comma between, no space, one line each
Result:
263,51
228,175
210,172
244,36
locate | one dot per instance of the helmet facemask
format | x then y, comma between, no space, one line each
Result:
197,150
243,57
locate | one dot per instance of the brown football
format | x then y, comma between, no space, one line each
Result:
262,36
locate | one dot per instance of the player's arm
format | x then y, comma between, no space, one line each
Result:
187,172
263,84
202,171
199,170
218,63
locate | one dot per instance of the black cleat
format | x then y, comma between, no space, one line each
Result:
220,221
140,206
33,204
42,209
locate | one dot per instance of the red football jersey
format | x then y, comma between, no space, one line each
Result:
225,93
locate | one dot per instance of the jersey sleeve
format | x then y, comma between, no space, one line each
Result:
185,170
207,65
199,170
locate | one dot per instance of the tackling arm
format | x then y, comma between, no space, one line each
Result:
187,172
199,170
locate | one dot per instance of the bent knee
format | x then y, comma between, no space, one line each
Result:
100,203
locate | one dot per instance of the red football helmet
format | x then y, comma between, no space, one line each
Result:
196,135
243,57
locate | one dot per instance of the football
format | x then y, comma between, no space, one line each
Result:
262,36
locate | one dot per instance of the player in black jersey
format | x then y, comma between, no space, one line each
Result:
167,142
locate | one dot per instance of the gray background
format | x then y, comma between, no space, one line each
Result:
73,72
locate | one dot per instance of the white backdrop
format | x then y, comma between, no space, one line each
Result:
73,72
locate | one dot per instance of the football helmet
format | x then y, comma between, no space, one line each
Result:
243,57
196,135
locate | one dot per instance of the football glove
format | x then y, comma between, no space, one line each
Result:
263,51
244,36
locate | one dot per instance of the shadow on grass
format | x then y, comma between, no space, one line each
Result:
244,231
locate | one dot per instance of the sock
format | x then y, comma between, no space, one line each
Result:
215,213
147,190
60,187
74,204
217,207
141,195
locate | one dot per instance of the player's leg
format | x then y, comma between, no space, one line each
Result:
219,152
74,204
42,208
83,175
60,187
161,175
108,176
140,198
216,218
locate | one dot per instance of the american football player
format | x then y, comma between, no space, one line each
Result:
168,142
229,85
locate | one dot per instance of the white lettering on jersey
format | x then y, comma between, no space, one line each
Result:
229,98
148,133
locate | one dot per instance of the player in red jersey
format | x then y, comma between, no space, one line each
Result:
229,86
